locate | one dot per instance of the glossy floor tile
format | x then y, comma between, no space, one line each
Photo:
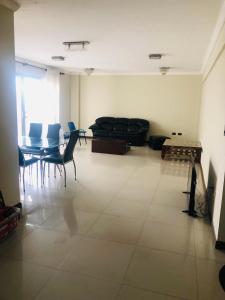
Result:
116,233
168,237
118,229
72,286
165,272
99,258
20,280
130,293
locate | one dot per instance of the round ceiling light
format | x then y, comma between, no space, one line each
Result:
164,70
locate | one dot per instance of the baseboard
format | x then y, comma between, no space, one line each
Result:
220,245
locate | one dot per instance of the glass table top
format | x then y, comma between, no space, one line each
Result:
33,142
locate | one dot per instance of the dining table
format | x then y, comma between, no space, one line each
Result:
41,143
39,146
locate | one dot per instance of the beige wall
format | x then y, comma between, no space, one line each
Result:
75,100
170,103
212,126
64,100
8,138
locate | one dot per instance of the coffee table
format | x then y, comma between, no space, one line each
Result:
180,148
110,146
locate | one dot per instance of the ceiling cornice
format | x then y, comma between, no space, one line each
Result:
10,4
218,27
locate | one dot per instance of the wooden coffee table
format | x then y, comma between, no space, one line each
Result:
179,148
110,146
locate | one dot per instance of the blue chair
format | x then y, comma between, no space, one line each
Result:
58,159
23,163
35,130
53,131
82,132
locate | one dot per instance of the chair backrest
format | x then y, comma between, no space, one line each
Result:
53,131
71,126
21,157
68,153
35,130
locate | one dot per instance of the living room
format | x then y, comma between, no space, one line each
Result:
114,76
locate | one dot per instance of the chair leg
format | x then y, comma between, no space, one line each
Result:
55,171
41,170
85,138
48,170
64,175
60,172
43,173
23,179
37,173
79,141
75,171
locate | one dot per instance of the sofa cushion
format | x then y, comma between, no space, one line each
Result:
118,133
102,133
133,128
139,122
106,126
120,127
124,121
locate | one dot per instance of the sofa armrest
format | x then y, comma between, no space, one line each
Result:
143,130
94,127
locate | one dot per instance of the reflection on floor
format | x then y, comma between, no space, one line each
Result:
116,233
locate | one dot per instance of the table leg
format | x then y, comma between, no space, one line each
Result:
163,153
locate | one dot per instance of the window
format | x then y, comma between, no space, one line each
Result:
37,101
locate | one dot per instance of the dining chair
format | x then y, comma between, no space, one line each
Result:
82,132
23,163
66,157
53,131
35,130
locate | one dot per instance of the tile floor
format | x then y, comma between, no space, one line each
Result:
116,233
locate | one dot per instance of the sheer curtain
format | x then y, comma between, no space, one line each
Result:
37,100
51,105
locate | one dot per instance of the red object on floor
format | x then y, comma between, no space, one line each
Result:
9,217
8,221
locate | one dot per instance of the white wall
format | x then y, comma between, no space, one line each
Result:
170,103
212,126
9,178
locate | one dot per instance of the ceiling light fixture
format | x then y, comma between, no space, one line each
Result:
155,56
76,45
164,70
89,71
58,58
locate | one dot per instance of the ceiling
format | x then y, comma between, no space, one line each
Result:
122,33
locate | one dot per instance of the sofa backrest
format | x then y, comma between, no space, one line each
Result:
122,124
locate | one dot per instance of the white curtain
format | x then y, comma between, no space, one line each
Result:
51,105
37,100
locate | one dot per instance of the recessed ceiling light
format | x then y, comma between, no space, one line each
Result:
89,71
155,56
164,70
58,58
